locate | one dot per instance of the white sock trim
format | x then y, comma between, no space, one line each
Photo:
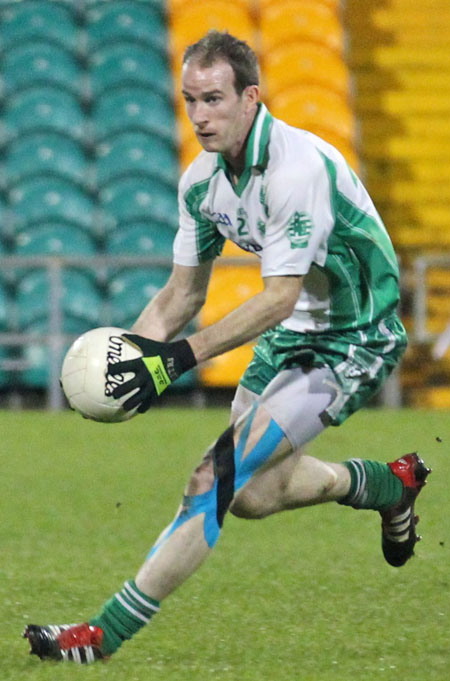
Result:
134,612
137,597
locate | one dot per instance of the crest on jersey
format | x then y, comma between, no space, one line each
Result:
299,229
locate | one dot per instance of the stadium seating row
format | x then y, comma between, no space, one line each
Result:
46,107
55,200
83,26
117,65
146,238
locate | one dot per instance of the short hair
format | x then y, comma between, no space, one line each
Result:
222,46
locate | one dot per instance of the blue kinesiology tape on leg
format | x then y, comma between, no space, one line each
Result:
214,503
191,507
258,456
231,473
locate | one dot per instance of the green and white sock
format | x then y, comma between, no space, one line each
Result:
123,616
373,485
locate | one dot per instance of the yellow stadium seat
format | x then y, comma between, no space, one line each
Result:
417,192
332,4
193,20
432,398
231,250
416,237
226,370
175,6
299,20
185,129
398,56
230,286
189,149
315,109
344,146
438,279
301,63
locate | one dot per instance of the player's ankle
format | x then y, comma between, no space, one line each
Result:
123,616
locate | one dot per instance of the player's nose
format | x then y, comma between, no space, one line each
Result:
199,114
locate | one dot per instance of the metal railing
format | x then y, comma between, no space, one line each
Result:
55,339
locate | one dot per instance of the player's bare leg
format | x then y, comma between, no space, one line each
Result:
183,546
294,482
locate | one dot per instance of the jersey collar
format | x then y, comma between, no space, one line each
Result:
257,150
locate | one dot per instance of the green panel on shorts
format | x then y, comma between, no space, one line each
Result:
361,360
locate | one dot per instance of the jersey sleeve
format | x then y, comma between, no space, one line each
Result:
300,218
198,238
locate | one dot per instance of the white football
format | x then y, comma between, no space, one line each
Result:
84,377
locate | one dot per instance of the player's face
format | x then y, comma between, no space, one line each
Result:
221,118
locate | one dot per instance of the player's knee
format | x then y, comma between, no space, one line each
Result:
247,504
316,485
202,479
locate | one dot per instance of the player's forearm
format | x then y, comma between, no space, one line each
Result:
244,324
166,315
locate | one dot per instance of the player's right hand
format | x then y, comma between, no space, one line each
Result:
160,365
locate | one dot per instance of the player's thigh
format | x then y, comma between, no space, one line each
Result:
296,400
244,399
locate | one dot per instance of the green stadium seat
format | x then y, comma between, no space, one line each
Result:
128,64
5,316
53,240
141,238
31,20
36,374
6,273
5,374
40,109
50,199
2,222
136,21
136,153
136,199
40,63
132,108
4,308
46,153
131,290
81,301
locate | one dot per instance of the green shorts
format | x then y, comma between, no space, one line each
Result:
360,360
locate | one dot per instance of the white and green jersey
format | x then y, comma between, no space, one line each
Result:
303,211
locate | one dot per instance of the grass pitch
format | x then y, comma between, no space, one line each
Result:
302,595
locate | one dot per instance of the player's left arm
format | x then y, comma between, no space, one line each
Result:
261,312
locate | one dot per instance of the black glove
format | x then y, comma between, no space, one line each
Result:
160,365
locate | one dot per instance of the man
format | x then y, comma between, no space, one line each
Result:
329,332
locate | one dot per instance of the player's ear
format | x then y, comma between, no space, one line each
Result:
251,95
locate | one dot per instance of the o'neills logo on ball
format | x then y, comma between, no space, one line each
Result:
113,355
